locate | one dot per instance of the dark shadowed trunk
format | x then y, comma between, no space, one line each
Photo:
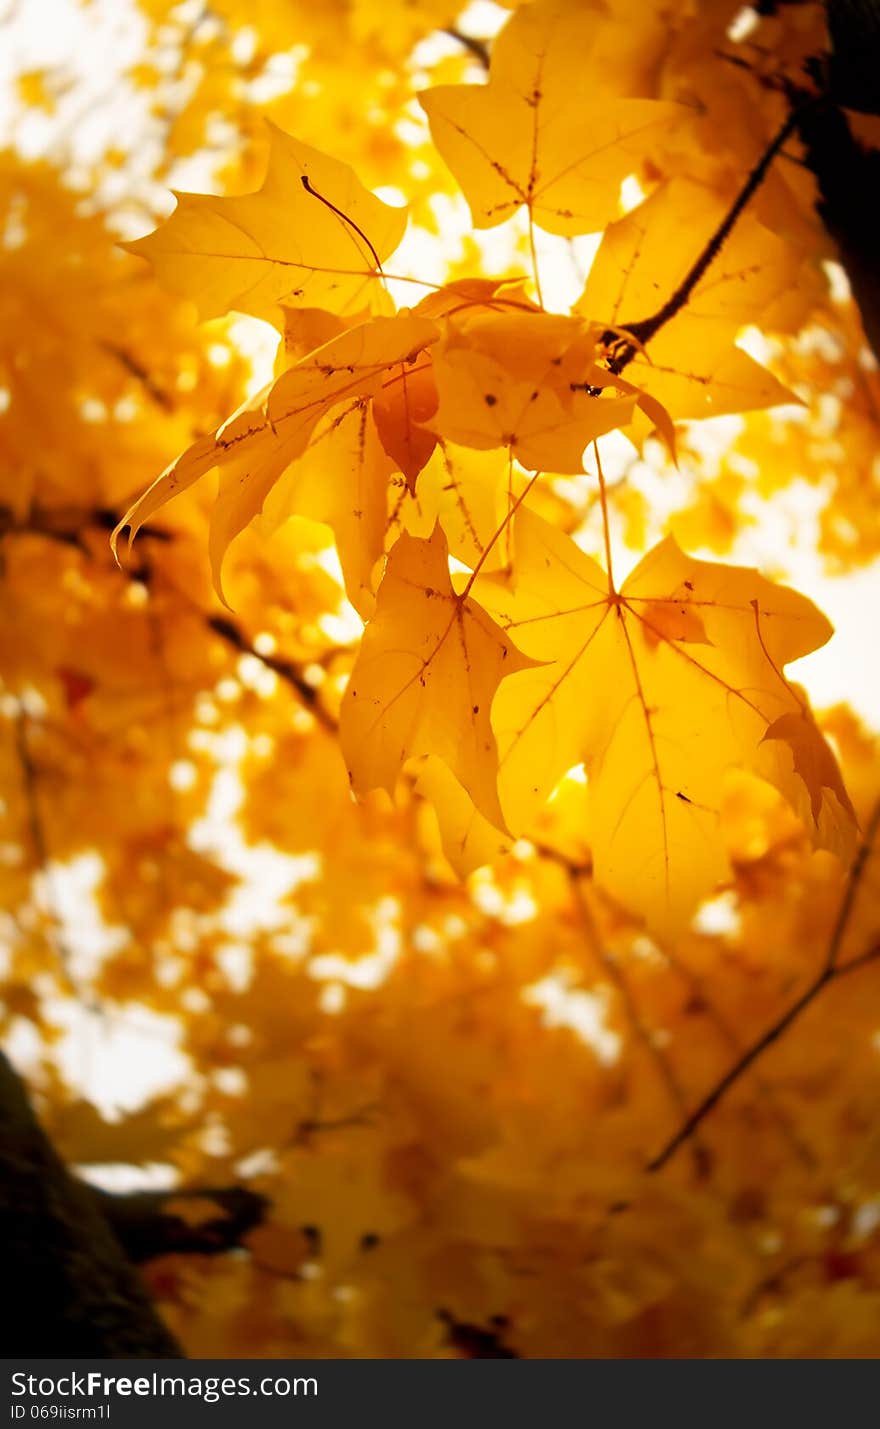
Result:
70,1288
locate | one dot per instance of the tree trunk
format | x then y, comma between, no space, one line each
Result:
71,1290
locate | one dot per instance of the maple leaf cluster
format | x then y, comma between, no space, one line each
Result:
659,689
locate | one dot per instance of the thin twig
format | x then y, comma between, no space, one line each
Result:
829,971
221,625
856,873
853,965
643,1033
724,1029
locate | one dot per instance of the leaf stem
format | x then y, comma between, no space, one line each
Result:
514,507
603,498
345,219
534,252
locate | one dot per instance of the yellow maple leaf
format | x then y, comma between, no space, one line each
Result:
529,138
469,841
425,677
468,492
312,234
353,504
660,689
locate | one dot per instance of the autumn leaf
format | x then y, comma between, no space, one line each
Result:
527,382
311,234
400,412
469,840
354,504
304,329
468,492
424,680
659,690
535,136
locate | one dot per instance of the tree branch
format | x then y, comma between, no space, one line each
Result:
478,48
136,369
66,524
642,1032
829,971
286,670
40,848
146,1224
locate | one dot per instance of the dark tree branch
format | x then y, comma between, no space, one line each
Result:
854,30
474,1342
848,175
286,670
136,369
72,1290
66,524
645,328
146,1224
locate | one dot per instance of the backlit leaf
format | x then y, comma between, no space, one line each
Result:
311,234
535,136
660,691
424,680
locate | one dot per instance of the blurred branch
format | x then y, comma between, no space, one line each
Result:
830,970
286,670
478,48
40,848
66,524
146,1224
642,1032
721,1024
474,1342
136,369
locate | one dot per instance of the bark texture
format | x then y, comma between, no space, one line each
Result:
71,1290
